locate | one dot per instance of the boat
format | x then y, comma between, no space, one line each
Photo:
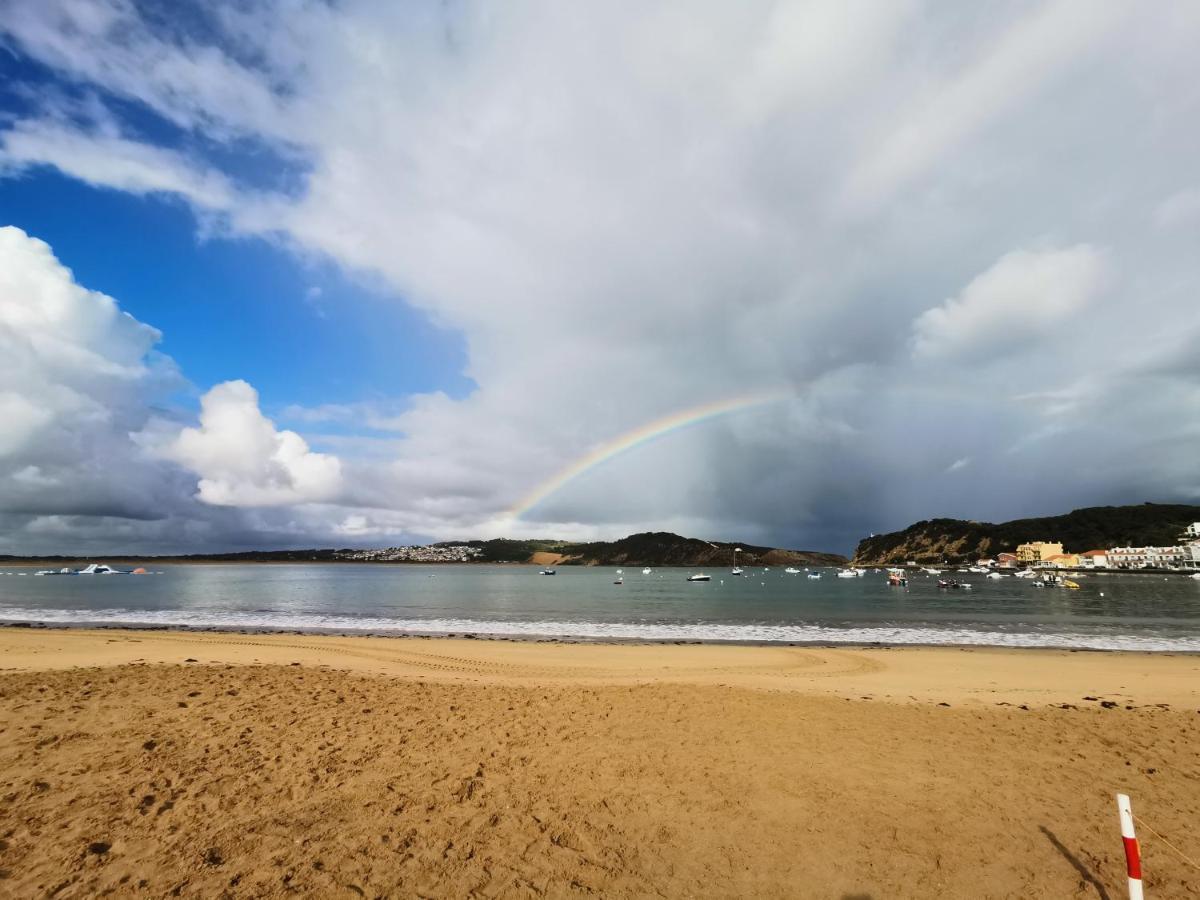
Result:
646,571
736,571
928,571
997,575
1025,573
1069,584
897,579
791,570
620,571
847,573
548,572
1195,577
814,575
953,584
699,577
619,581
99,569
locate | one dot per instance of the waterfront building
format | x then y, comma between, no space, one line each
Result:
1175,557
1094,559
1038,551
1063,560
1192,533
1006,560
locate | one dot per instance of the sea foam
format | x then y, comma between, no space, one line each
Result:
745,633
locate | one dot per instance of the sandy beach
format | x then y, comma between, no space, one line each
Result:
173,763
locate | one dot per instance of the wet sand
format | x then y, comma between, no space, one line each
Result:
160,763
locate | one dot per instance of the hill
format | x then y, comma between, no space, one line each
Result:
648,549
661,548
1093,528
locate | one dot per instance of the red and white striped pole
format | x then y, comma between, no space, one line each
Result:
1133,853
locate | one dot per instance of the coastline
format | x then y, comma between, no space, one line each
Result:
899,672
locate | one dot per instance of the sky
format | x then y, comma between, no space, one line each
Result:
299,273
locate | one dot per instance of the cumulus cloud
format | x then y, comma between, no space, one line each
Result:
77,376
628,211
1022,296
243,460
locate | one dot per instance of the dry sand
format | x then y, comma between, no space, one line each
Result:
160,763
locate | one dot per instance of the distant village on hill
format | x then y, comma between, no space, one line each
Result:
1148,536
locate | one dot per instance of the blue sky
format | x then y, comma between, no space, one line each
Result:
410,262
297,328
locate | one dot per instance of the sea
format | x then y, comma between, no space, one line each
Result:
1108,612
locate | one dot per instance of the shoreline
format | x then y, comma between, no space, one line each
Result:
532,637
901,672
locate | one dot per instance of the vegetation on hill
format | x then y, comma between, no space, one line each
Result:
1093,528
661,548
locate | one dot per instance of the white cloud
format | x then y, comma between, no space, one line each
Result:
243,460
106,159
1020,297
628,211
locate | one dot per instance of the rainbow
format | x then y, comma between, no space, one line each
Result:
639,437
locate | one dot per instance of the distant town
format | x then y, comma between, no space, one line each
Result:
1183,556
435,553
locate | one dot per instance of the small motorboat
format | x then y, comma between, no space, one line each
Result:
100,569
1069,584
847,573
929,571
736,571
1195,577
814,575
897,579
792,571
548,572
619,581
646,571
700,577
994,575
952,584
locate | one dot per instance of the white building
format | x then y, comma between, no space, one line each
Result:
1192,532
1150,557
1192,555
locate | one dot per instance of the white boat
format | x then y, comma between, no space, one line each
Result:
99,569
620,571
736,571
814,575
847,573
790,570
646,571
978,570
545,572
997,575
1195,577
932,571
1025,573
619,580
700,577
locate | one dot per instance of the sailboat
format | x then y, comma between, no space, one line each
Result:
700,577
736,569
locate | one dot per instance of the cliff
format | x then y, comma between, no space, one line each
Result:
1093,528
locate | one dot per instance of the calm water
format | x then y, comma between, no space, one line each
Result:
1109,612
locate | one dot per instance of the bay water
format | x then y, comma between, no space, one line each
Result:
1109,611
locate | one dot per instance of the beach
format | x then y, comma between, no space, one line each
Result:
162,763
